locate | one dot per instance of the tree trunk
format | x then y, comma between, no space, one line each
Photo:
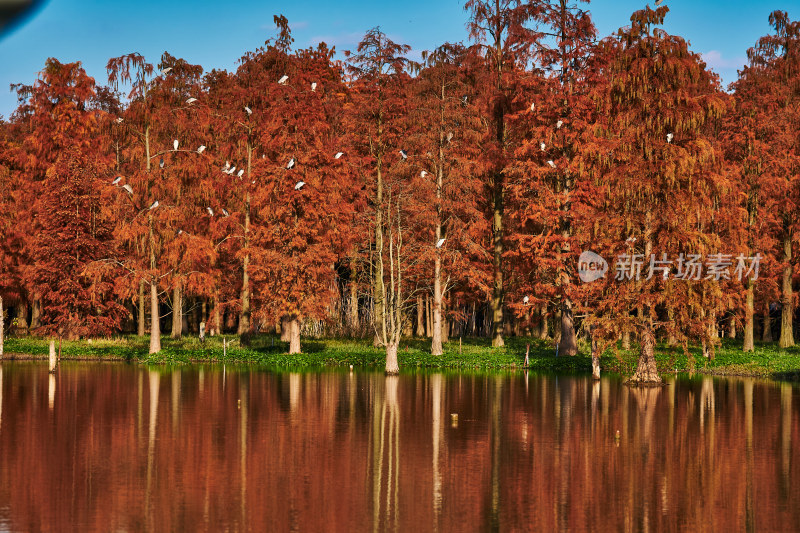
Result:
155,326
543,324
217,317
286,328
748,344
568,345
294,335
497,258
626,340
392,367
766,333
177,312
36,311
2,328
787,310
647,371
352,310
140,328
436,337
428,316
21,327
244,316
595,358
731,333
420,316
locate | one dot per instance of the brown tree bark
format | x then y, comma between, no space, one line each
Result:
352,309
420,316
36,311
286,328
294,335
787,311
177,312
646,371
595,357
2,327
748,344
140,327
392,366
568,345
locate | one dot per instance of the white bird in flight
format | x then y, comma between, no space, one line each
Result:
559,124
166,70
116,180
240,173
210,211
299,185
440,242
201,149
283,79
404,154
290,165
533,105
231,170
119,120
128,188
175,144
249,111
338,155
191,100
551,163
313,86
153,205
658,2
669,137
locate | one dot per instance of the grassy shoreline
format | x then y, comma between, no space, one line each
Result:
471,354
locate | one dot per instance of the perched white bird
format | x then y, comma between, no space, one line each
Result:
550,162
116,180
161,163
450,136
128,188
283,79
630,240
313,86
542,146
464,99
201,148
175,144
525,300
669,137
440,242
249,111
180,232
210,211
240,173
533,105
227,165
225,212
166,70
231,170
298,186
154,205
290,165
404,154
338,155
423,174
119,120
191,100
559,124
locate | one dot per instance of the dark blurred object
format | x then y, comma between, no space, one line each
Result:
13,12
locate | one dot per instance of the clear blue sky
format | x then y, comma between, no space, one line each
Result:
216,34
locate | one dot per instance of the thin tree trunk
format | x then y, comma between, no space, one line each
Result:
217,317
732,326
244,315
140,328
155,326
543,324
595,357
392,366
646,371
766,333
353,304
568,345
428,316
2,328
748,344
22,319
36,310
294,335
420,316
626,340
436,337
787,309
177,312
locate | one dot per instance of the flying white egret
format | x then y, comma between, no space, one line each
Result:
658,2
175,144
191,100
423,174
240,173
533,106
542,146
153,205
225,212
249,111
161,163
283,79
559,124
550,162
119,120
338,155
669,137
116,180
210,211
128,188
166,70
201,148
440,242
231,170
464,99
290,165
525,300
404,154
313,86
298,186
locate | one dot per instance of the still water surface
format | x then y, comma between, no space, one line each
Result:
114,447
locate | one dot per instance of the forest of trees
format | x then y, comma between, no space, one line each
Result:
381,197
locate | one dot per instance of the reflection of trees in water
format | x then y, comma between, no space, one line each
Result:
385,448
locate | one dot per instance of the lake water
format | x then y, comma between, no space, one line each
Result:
115,447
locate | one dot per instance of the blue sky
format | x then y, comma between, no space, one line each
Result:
217,34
